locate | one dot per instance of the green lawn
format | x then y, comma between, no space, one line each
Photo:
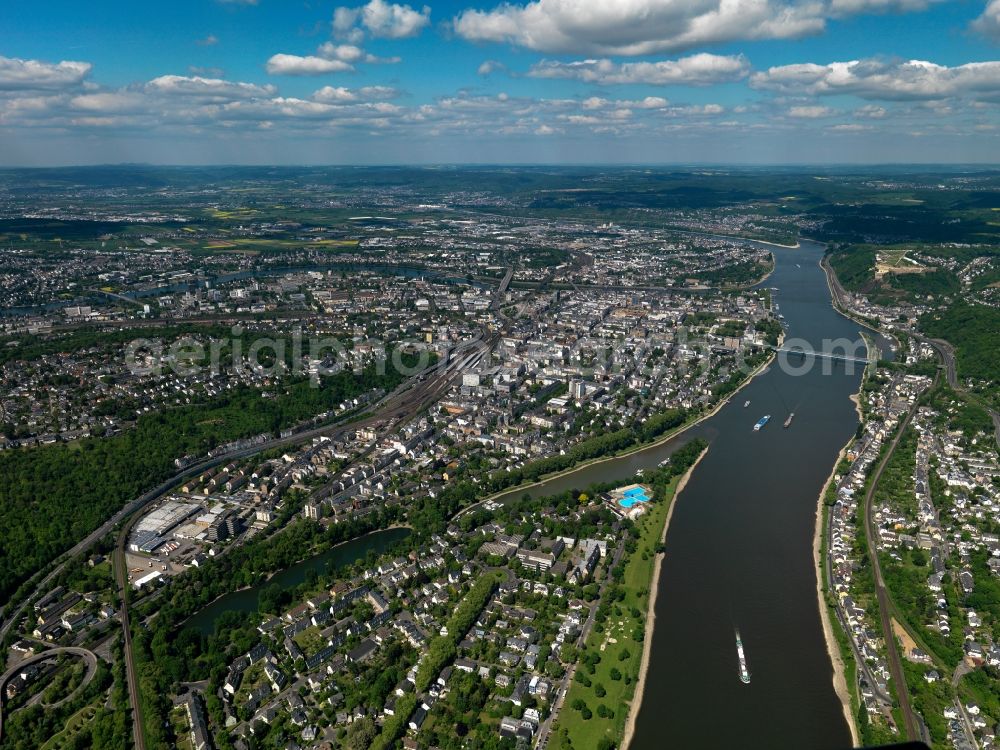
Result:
181,727
73,725
617,647
309,640
252,678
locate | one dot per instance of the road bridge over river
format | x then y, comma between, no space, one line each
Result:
821,355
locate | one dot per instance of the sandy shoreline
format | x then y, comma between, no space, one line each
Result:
857,405
651,611
832,646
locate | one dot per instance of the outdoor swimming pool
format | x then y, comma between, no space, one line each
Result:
633,496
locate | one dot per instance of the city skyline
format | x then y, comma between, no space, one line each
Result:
549,81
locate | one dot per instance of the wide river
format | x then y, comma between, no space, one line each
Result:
740,548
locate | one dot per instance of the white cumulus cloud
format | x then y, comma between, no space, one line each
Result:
650,102
695,70
988,23
381,19
16,73
871,112
487,67
342,95
810,112
853,7
108,101
638,27
642,27
208,88
700,110
350,53
308,65
883,79
346,52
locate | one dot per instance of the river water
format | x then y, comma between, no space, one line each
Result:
739,553
347,553
739,548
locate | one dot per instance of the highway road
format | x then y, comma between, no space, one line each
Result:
115,297
88,656
946,352
504,283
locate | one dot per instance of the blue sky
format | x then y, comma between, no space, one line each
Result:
648,81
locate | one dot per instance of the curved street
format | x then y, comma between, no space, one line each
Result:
947,354
409,399
404,398
88,656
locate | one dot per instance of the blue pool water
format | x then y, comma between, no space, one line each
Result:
633,496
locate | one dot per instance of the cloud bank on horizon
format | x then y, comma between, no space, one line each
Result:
547,80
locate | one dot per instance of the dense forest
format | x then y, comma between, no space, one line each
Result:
55,495
974,330
855,267
30,348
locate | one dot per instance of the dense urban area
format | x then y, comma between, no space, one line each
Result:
267,442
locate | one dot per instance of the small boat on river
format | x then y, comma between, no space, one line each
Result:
744,672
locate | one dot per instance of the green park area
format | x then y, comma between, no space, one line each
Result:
600,695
